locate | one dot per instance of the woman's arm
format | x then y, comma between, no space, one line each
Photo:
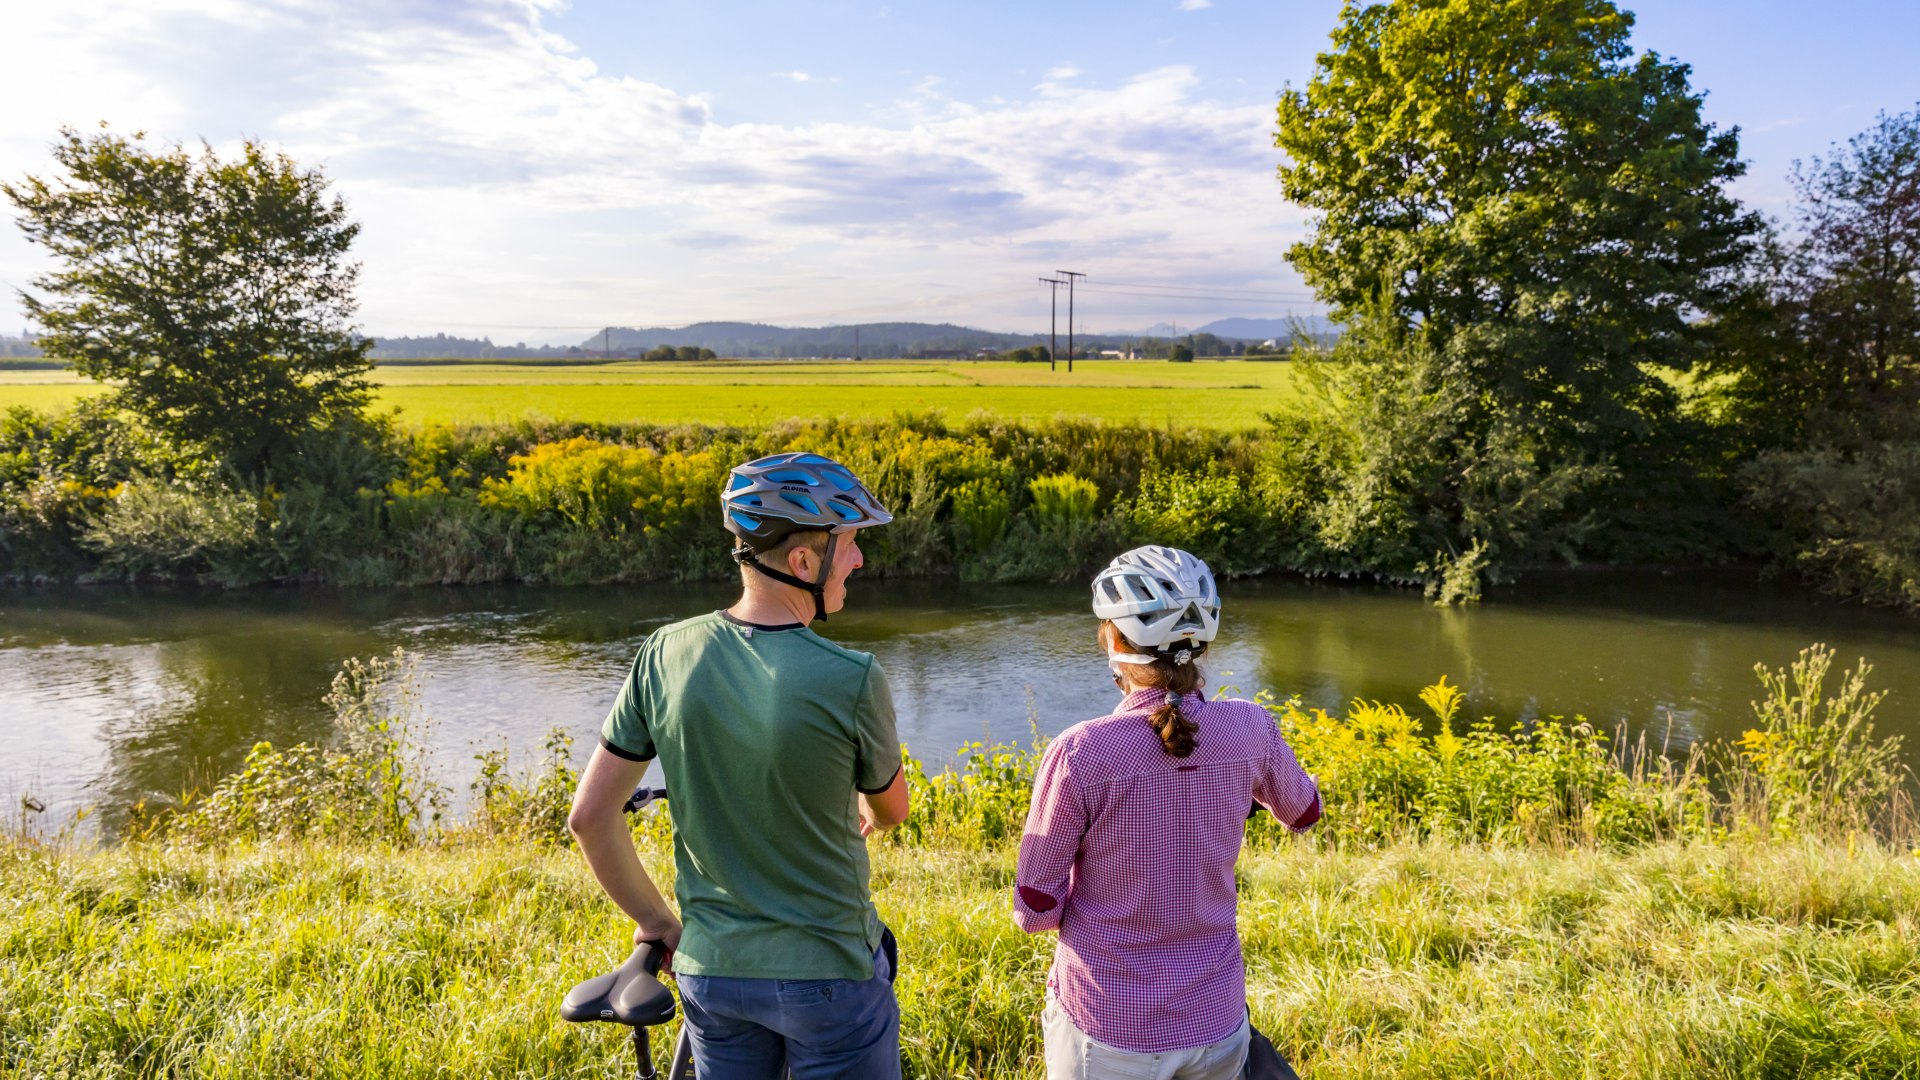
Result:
1285,789
1056,823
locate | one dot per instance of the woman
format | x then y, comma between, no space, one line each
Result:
1129,847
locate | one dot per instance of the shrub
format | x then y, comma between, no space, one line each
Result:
370,783
981,804
981,510
1850,521
614,511
1210,514
1063,499
152,527
1816,761
531,808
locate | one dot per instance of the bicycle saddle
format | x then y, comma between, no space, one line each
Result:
631,994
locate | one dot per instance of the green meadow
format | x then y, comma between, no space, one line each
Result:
1221,394
1423,960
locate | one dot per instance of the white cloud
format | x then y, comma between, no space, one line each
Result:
1062,73
1195,5
503,180
796,76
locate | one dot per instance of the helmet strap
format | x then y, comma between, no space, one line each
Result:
746,556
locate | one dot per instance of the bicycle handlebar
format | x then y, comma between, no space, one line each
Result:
642,797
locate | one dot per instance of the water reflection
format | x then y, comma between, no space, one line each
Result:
109,695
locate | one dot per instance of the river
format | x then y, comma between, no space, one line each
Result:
108,695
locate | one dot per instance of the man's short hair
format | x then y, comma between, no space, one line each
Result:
814,540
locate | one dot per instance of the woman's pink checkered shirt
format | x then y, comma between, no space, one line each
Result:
1129,851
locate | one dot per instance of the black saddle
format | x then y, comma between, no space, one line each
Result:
631,994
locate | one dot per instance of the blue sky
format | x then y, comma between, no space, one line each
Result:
529,170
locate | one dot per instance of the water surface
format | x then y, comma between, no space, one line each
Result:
108,695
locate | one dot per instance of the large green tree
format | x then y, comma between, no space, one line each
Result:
214,294
1549,209
1827,350
1531,224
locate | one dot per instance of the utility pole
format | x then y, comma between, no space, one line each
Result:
1053,324
606,343
856,341
1070,275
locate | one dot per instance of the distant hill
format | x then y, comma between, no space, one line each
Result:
759,339
1262,329
1238,329
894,338
881,339
446,346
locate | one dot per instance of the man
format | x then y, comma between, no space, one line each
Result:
780,755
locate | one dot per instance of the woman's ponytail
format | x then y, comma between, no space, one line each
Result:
1176,729
1178,732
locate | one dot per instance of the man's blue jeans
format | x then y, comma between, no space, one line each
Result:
747,1029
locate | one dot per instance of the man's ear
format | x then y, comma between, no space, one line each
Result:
800,567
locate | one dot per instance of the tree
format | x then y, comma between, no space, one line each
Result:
1182,353
1827,351
1532,223
214,295
661,354
1549,211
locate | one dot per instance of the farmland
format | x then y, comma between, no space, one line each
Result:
1225,394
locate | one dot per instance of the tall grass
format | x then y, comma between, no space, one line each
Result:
314,958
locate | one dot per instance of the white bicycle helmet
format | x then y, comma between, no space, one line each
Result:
1161,599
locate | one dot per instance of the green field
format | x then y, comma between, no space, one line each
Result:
1228,394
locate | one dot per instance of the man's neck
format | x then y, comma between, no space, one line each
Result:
780,605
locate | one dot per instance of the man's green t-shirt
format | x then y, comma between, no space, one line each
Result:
764,734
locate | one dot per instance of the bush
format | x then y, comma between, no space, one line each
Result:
612,511
1211,514
533,808
370,783
981,510
1816,763
1062,500
153,528
1849,521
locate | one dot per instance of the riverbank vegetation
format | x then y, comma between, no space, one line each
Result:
1481,899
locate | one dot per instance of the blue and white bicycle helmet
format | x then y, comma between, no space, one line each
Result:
1161,599
770,498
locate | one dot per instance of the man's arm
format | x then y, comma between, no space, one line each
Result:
597,823
884,809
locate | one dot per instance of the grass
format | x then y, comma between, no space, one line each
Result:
304,959
1230,394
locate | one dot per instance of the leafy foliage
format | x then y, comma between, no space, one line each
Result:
1850,520
213,294
370,784
1819,765
1520,221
